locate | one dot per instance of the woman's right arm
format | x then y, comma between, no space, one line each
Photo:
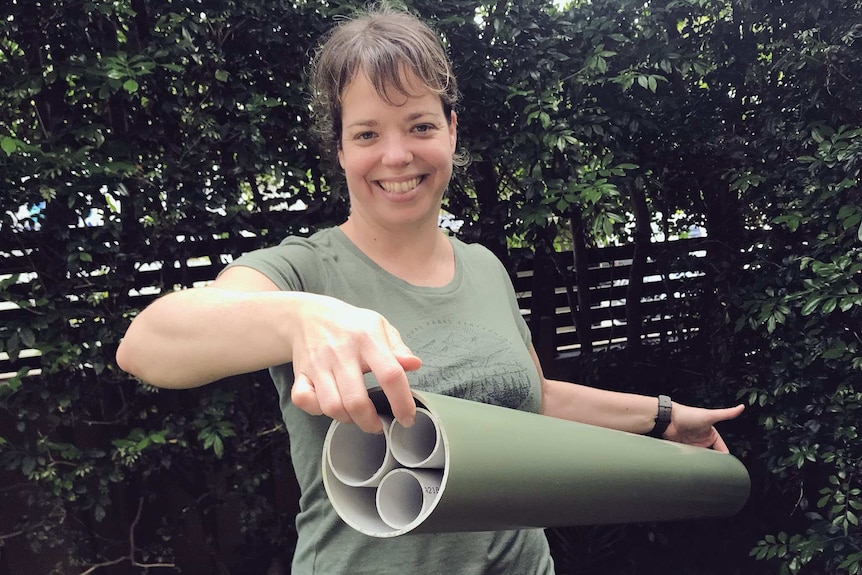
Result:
242,323
195,336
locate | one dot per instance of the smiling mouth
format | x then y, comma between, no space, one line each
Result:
400,187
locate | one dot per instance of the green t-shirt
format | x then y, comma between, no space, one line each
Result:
473,344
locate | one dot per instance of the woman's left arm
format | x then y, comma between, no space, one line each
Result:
631,412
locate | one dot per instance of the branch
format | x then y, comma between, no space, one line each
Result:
5,536
277,429
41,120
105,564
489,25
131,556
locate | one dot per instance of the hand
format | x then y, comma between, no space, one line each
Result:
696,426
333,345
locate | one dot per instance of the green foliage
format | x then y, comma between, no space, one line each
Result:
143,144
131,132
799,303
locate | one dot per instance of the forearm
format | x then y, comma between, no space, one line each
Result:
196,336
623,411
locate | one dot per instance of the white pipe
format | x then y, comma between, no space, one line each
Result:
357,505
420,445
360,459
406,496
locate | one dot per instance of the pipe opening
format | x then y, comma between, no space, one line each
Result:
420,445
404,495
357,458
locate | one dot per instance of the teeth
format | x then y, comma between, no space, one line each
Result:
400,187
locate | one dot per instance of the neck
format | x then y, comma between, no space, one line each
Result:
419,255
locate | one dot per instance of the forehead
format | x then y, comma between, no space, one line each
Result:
406,89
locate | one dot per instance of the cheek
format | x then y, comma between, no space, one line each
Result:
355,164
347,160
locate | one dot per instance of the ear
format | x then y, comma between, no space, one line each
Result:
453,130
340,156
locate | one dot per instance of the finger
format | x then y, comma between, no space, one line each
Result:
719,444
304,396
354,398
408,360
392,378
328,397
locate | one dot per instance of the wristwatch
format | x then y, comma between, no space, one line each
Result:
662,418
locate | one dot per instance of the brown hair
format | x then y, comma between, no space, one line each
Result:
384,43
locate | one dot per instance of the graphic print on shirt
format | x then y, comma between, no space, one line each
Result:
469,362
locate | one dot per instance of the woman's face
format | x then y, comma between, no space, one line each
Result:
397,157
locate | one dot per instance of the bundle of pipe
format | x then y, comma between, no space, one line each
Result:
468,466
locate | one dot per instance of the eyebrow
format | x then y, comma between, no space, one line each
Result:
371,123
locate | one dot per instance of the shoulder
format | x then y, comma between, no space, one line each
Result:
477,255
296,248
321,239
296,263
472,251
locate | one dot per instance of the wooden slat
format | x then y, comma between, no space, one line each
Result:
608,279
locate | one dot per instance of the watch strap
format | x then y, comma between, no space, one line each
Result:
662,418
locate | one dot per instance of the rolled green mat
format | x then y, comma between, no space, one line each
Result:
469,466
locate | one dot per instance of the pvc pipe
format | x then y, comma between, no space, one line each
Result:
420,445
508,469
406,496
360,459
359,504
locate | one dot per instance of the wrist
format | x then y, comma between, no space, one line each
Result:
662,418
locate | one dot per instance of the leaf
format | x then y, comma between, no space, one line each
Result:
218,446
130,86
28,464
9,145
835,352
811,305
28,338
13,346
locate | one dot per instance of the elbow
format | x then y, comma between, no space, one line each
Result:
123,357
136,359
546,399
126,359
149,366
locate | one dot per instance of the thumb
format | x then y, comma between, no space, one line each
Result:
304,396
728,413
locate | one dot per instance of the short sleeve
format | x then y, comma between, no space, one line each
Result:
293,265
523,328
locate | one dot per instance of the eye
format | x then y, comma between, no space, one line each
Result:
365,136
424,128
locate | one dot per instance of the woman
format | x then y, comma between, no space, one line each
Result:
385,298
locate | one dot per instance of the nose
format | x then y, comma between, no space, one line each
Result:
396,151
